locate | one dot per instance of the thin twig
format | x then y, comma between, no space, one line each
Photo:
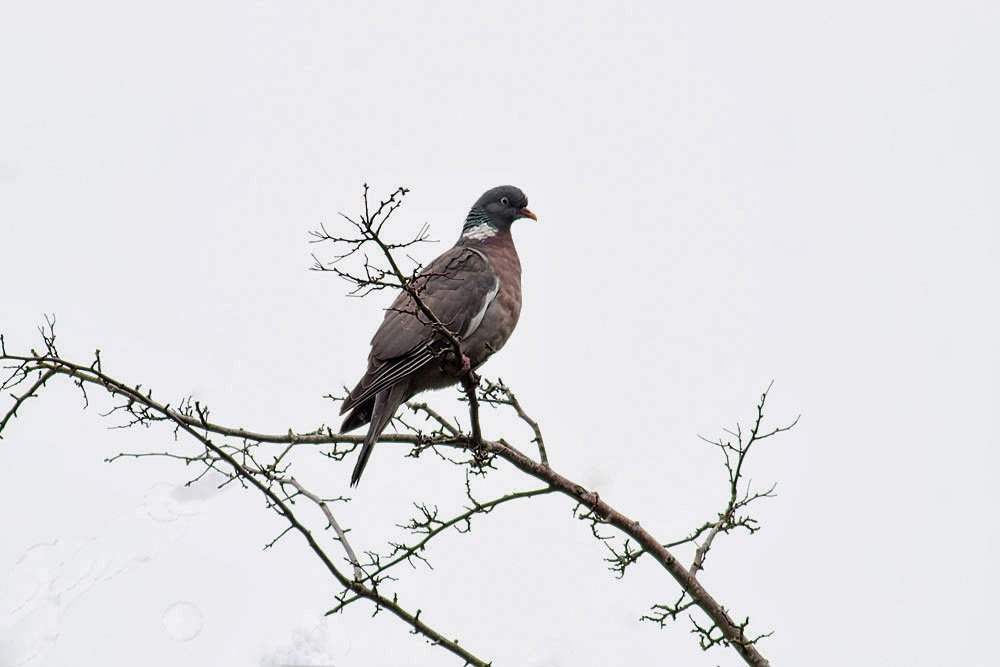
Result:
436,416
408,552
727,517
507,397
341,535
25,396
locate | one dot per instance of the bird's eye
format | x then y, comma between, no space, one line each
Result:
503,200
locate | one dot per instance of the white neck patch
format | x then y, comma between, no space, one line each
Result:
479,232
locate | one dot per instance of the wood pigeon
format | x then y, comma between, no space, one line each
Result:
474,289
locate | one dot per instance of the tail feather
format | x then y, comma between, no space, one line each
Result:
360,415
383,410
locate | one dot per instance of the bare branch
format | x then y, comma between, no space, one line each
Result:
19,400
735,454
497,393
434,415
325,507
733,632
430,526
193,421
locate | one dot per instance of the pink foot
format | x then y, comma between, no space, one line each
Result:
466,366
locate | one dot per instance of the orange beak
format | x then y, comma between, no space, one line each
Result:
525,213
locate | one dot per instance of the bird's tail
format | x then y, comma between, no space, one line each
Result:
359,416
366,452
386,402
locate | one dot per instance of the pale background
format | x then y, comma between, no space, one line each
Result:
727,193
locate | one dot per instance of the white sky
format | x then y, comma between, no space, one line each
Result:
727,193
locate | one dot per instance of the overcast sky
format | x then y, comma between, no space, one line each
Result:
727,193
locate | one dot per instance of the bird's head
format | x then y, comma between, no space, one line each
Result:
496,210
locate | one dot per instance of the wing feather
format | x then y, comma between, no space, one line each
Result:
387,375
457,287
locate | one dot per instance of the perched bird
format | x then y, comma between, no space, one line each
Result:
474,290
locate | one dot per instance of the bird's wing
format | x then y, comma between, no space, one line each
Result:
457,287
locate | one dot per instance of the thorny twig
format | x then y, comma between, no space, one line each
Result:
498,393
332,522
735,455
